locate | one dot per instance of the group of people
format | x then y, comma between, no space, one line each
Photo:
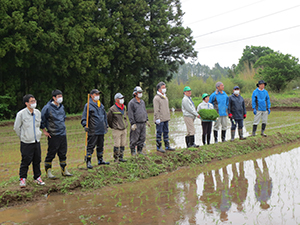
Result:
96,121
232,106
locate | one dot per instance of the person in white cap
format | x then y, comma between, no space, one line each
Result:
117,120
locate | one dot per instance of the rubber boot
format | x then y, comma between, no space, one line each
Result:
254,130
263,127
203,138
167,146
208,139
158,147
116,154
64,170
133,153
241,134
101,161
122,149
216,136
187,141
48,166
223,135
232,135
192,142
88,160
140,150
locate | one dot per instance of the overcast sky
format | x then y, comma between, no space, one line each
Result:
209,16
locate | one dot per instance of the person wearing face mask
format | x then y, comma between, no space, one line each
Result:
138,117
117,120
54,128
27,127
236,112
97,128
162,117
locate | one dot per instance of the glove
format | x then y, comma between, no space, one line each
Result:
230,115
254,111
245,116
148,124
86,129
133,127
269,110
157,121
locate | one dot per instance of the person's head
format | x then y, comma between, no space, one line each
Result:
261,84
205,97
137,92
29,101
161,87
57,96
187,91
220,86
236,90
119,98
95,94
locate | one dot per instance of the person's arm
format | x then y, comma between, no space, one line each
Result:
253,100
105,117
156,108
268,101
229,106
130,113
244,108
44,121
18,124
83,118
109,118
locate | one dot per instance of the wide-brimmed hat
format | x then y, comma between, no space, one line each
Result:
261,82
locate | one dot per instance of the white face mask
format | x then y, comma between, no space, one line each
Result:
121,101
236,92
140,95
33,106
164,90
59,100
96,98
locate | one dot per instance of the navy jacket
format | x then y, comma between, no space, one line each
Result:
53,119
236,107
97,119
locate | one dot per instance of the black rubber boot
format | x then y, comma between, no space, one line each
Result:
64,170
48,166
116,154
122,149
263,127
158,147
133,153
216,136
187,141
241,134
203,138
168,147
88,159
192,142
208,139
140,150
232,135
223,135
254,130
101,161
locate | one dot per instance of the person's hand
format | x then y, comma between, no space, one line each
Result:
269,111
198,116
148,124
245,116
230,115
254,111
46,133
86,129
133,127
157,121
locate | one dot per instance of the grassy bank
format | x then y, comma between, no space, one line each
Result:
140,167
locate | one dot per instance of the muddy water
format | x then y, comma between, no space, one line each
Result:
259,188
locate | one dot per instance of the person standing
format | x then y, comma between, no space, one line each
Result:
138,117
236,112
117,120
162,117
27,127
189,115
97,128
261,106
219,99
53,119
206,125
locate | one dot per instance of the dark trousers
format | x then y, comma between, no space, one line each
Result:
206,127
57,145
162,129
94,140
30,153
138,136
235,122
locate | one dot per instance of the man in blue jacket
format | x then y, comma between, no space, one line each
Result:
219,99
97,127
53,126
261,107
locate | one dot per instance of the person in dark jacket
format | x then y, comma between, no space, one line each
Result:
236,112
54,128
138,117
97,127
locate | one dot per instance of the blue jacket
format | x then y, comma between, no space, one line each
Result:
220,102
260,100
53,119
236,107
97,119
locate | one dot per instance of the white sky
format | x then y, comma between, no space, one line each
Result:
224,15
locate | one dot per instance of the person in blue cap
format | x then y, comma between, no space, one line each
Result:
261,106
236,112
